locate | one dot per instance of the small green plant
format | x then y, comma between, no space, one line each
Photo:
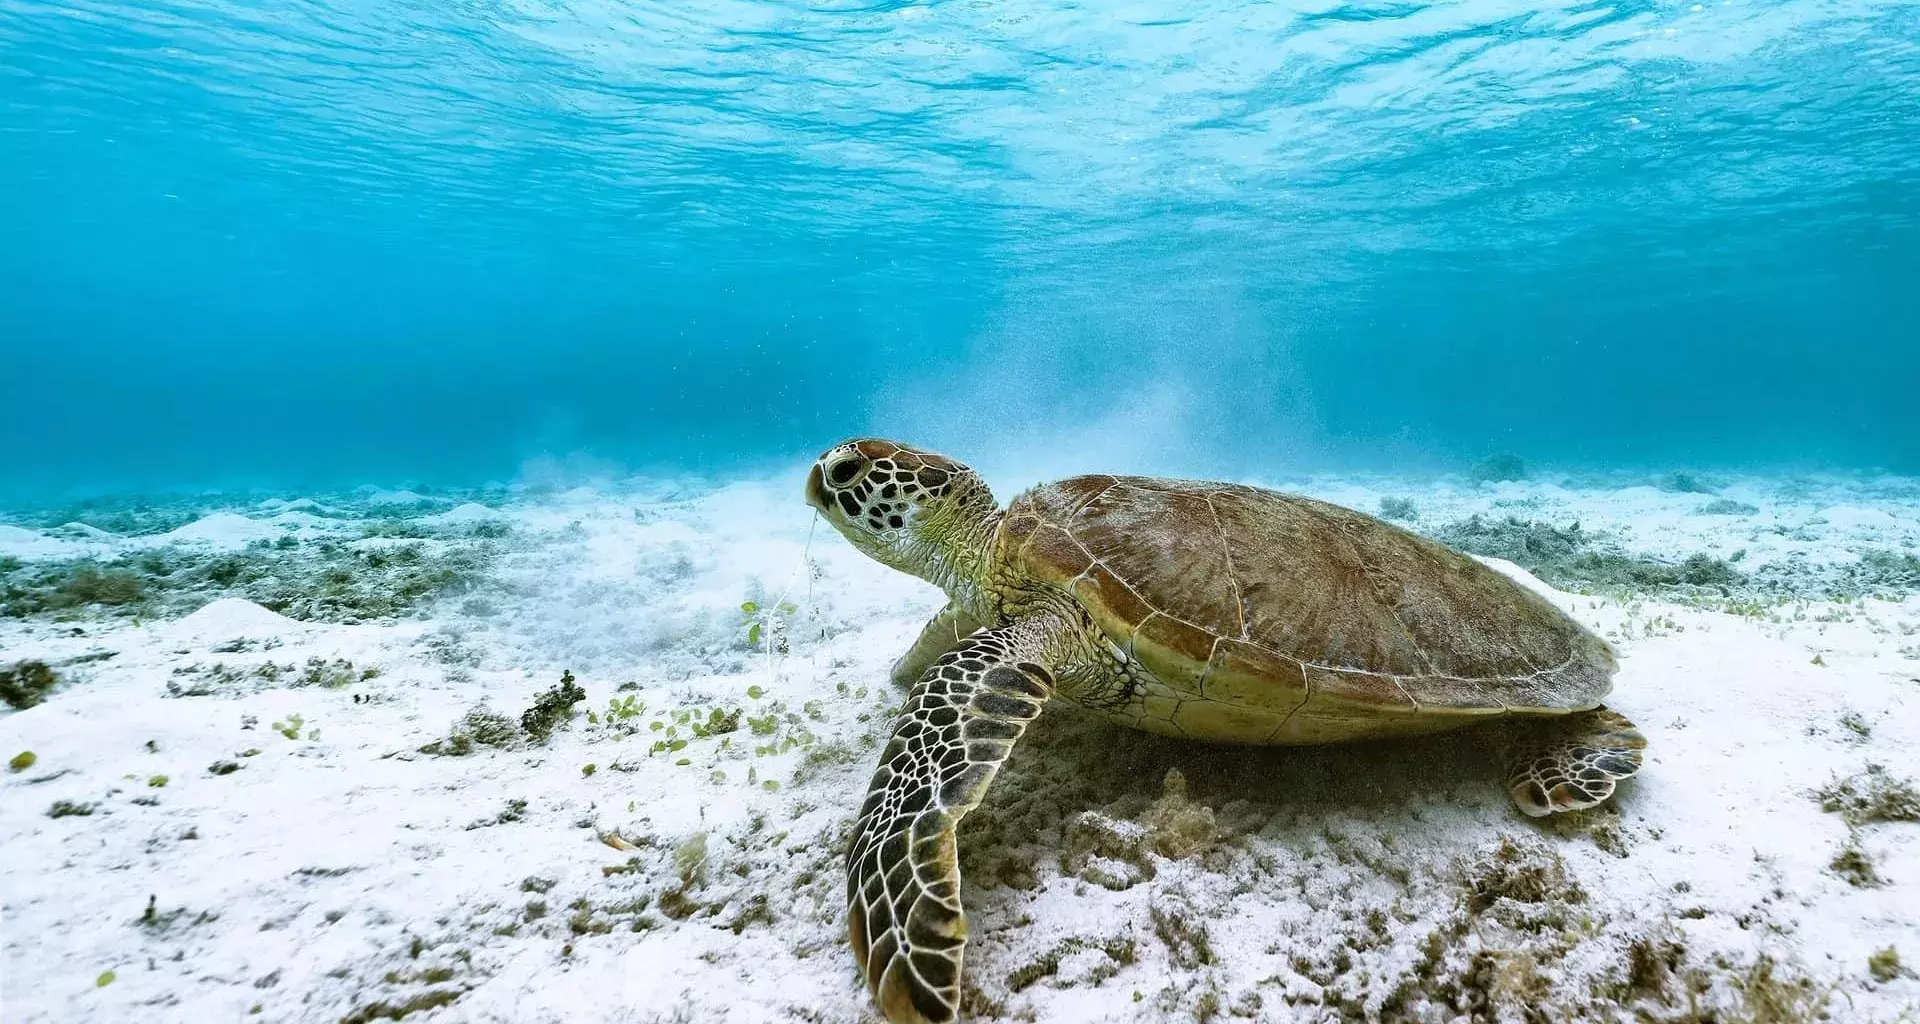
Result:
1885,966
757,620
1854,866
624,709
105,979
1777,993
69,809
587,770
22,761
1858,726
223,767
157,781
717,723
690,859
669,745
290,728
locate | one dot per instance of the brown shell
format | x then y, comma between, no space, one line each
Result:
1221,590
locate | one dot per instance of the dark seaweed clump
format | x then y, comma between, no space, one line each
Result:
483,727
552,708
1571,558
27,683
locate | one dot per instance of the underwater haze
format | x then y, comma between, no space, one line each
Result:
420,599
330,241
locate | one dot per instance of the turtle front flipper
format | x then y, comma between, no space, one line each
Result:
943,633
903,876
1571,763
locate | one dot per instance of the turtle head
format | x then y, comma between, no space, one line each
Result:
910,509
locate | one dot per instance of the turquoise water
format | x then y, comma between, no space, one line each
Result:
295,243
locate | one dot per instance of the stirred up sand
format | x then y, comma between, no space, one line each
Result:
230,816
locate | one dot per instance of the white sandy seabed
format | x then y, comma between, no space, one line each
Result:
620,872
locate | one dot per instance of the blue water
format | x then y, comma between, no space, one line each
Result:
287,243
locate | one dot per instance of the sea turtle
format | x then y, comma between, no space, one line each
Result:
1207,611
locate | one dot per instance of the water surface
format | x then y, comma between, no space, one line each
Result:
326,242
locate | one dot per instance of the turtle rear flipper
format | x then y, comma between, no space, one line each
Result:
903,875
1571,763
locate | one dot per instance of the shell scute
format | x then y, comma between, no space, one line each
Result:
1306,589
1248,674
1019,528
1219,721
1453,695
1181,647
1124,609
1058,548
1183,572
1373,689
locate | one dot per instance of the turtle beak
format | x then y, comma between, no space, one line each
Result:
817,489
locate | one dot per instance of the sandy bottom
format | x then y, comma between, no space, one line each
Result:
229,815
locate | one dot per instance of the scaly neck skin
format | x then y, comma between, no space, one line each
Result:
952,546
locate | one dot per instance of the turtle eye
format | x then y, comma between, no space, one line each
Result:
844,470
